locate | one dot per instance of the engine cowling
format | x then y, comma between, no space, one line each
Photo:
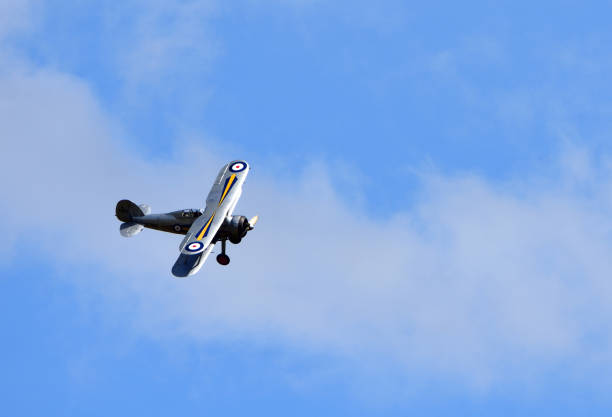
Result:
235,228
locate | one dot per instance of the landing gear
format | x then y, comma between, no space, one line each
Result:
222,258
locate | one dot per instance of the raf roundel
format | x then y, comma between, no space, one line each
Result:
238,166
195,246
177,227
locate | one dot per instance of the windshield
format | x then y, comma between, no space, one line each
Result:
191,213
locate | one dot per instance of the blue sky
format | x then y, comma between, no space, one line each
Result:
434,185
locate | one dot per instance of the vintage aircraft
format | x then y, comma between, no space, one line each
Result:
202,227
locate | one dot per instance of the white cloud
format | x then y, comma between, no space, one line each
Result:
15,15
138,43
475,279
162,37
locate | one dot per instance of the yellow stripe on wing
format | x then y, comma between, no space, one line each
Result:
205,228
229,184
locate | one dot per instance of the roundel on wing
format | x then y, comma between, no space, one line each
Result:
238,166
194,247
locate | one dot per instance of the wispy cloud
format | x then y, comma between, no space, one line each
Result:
163,38
479,279
472,274
15,15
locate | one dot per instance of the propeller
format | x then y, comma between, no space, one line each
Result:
252,222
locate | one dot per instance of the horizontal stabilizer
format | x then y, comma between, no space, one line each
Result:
130,229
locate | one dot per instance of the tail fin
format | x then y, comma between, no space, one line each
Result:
126,210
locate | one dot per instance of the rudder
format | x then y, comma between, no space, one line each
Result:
126,210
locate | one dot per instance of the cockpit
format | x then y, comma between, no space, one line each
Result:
191,213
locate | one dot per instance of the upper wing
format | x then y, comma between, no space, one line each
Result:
220,203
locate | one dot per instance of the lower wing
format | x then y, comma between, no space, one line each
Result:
187,264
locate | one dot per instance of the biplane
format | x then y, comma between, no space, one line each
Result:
202,228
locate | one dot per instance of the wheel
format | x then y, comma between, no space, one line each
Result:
235,241
223,259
